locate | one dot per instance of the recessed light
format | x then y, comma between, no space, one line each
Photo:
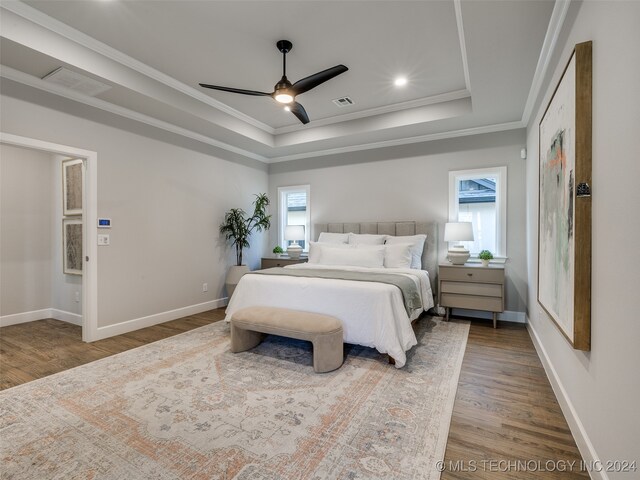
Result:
400,81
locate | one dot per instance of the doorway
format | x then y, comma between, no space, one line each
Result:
88,258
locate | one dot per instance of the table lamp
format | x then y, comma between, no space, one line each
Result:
458,232
294,233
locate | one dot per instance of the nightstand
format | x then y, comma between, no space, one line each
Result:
270,262
471,286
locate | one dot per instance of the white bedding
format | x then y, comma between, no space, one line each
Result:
372,314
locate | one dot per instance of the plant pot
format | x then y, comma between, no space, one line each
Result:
485,263
234,275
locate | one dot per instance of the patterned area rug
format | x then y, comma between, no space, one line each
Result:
187,408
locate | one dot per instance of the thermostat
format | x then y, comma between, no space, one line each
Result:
104,223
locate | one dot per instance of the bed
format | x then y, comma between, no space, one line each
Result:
373,314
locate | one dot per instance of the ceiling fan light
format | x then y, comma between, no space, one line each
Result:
400,81
283,97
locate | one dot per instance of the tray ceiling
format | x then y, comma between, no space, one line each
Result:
470,65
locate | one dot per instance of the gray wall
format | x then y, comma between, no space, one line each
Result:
26,228
411,183
601,386
166,201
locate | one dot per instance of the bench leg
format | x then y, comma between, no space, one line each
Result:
242,340
328,352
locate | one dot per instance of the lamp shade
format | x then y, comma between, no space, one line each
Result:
294,232
458,232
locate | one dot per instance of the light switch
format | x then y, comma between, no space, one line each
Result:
103,239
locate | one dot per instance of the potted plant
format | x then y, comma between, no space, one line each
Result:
237,228
485,256
278,250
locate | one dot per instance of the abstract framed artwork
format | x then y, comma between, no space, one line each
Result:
72,187
72,246
564,222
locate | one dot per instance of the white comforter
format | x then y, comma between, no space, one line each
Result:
372,314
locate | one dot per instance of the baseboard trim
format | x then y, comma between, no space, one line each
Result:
586,448
506,316
24,317
150,320
65,316
34,315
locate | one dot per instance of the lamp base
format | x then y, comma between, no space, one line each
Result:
294,250
458,256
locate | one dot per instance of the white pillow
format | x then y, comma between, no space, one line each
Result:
417,246
356,257
326,237
397,256
366,239
316,248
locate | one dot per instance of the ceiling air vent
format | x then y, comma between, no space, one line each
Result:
343,102
76,82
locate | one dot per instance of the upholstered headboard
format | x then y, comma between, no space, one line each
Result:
398,229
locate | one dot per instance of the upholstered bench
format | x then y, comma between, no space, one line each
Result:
324,332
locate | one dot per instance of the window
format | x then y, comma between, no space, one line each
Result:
293,209
480,197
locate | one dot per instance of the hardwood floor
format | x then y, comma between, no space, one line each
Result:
506,421
37,349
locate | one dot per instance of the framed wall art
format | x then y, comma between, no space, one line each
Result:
72,187
564,222
72,246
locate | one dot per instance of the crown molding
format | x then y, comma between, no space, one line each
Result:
45,21
549,45
420,102
500,127
457,4
35,82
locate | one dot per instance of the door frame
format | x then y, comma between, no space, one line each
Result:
89,229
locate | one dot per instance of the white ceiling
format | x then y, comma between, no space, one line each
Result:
470,65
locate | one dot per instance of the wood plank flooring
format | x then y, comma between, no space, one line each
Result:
506,421
37,349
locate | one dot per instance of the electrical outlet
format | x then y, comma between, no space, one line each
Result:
205,287
77,297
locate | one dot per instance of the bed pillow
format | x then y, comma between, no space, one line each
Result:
372,257
366,239
326,237
417,246
397,256
316,248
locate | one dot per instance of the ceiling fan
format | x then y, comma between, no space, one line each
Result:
284,92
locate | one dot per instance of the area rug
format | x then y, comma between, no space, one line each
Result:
187,408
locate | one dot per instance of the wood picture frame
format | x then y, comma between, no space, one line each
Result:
72,186
564,213
72,249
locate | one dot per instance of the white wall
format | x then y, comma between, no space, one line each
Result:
26,211
166,201
600,389
411,183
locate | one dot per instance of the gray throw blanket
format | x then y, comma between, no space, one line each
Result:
407,286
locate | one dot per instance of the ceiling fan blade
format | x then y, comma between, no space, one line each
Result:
316,79
299,111
236,90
